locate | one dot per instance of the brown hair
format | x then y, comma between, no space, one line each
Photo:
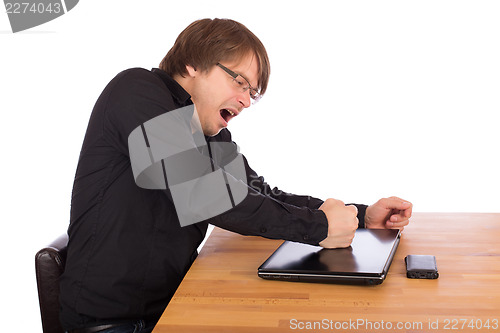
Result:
206,42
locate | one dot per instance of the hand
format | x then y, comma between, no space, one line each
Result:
388,213
342,223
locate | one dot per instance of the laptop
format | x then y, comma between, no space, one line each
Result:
366,261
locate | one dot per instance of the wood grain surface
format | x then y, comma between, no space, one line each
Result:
222,292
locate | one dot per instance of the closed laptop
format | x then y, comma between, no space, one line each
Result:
366,261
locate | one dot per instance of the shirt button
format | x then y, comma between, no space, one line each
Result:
263,230
305,237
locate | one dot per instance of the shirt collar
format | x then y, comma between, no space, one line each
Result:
180,95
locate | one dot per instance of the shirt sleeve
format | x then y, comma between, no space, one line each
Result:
261,215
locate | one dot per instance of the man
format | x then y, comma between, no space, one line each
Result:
128,251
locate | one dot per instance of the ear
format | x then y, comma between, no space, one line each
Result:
191,71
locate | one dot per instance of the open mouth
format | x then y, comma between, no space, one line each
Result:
226,114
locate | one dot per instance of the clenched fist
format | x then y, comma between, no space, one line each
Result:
342,223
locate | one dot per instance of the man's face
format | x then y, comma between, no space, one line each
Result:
217,98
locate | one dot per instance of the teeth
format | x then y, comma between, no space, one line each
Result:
230,112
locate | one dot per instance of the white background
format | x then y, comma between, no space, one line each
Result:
366,99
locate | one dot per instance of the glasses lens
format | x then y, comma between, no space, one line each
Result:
240,82
244,85
255,96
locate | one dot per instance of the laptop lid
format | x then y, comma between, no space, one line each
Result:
366,261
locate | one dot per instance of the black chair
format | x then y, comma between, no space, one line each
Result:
49,265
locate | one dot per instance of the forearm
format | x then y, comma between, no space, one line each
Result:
261,215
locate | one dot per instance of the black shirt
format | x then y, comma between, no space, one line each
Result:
127,252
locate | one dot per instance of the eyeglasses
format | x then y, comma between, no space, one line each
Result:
241,83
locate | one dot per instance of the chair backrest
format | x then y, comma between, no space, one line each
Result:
49,265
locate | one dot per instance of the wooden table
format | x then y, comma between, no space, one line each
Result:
222,292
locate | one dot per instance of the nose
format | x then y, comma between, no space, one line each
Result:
244,98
